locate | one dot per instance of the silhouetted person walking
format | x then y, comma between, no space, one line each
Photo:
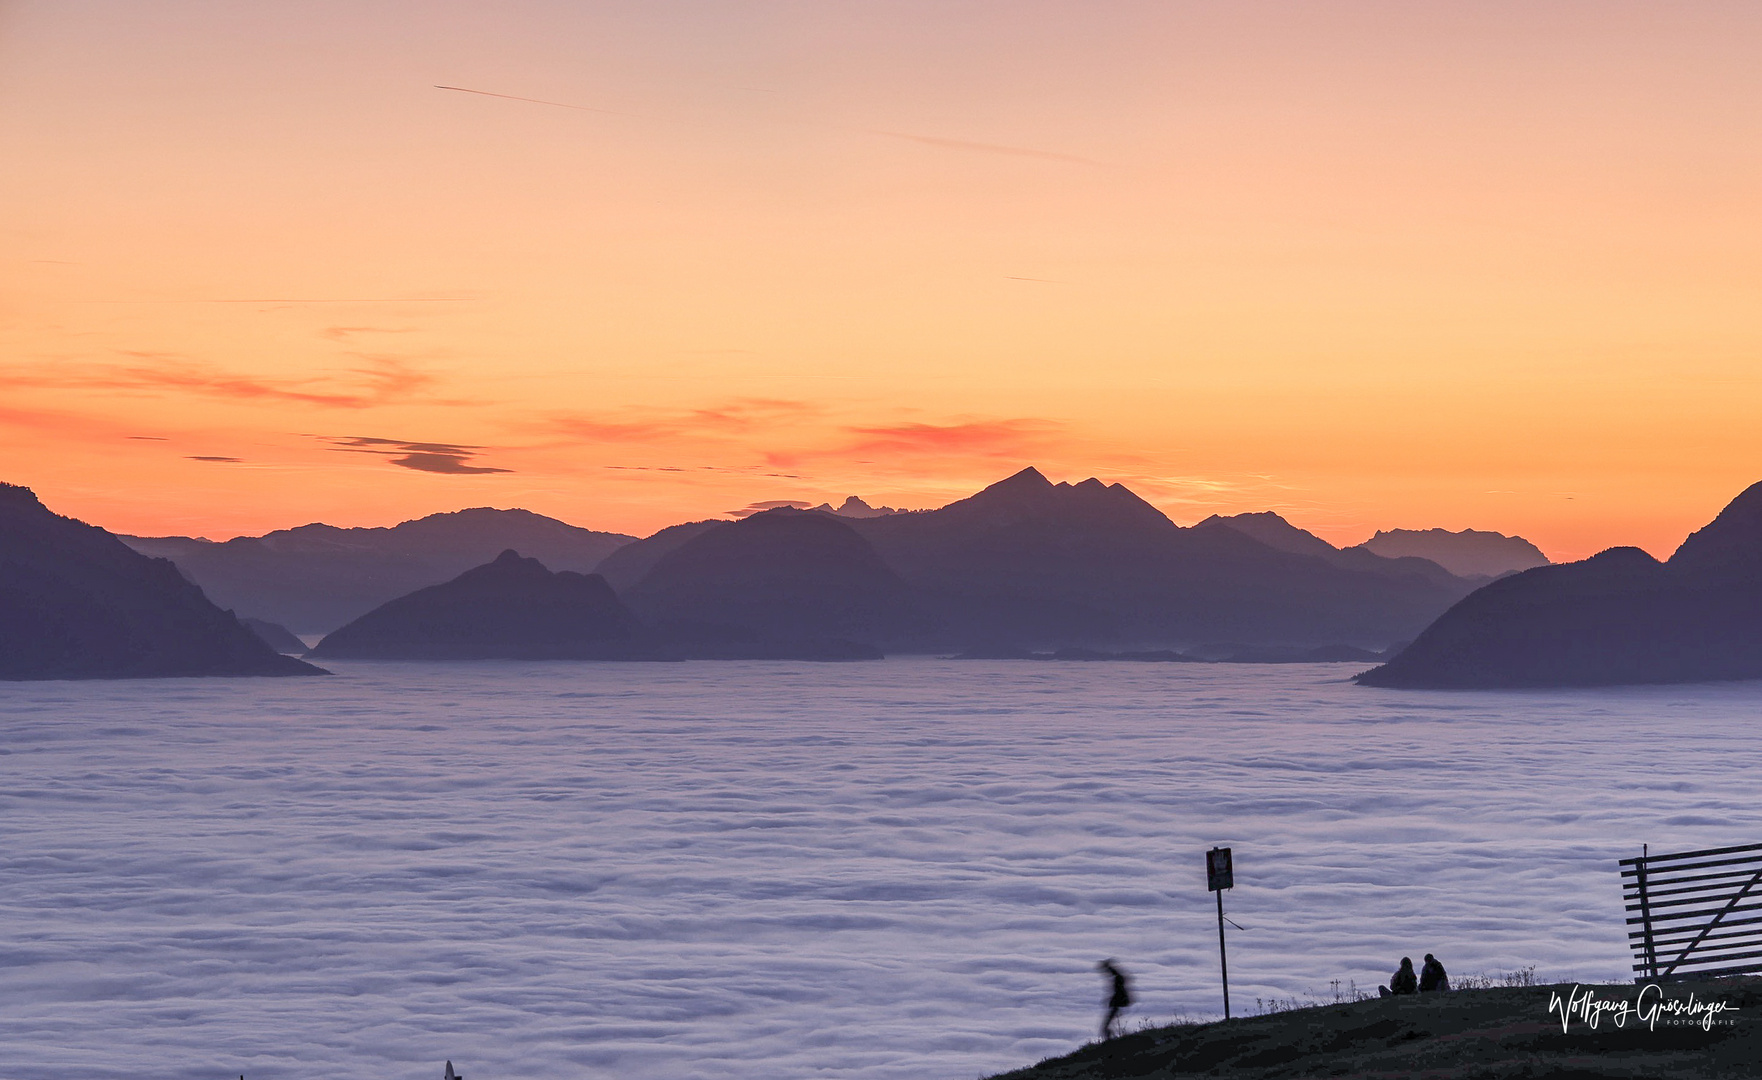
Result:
1404,982
1433,976
1119,996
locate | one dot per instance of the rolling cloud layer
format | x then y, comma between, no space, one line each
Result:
891,870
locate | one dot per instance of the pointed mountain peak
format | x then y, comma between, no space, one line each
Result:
1029,479
1090,504
510,565
1733,538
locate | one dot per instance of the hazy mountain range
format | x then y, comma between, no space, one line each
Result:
1024,567
1086,571
314,578
1469,553
1025,564
515,609
1618,617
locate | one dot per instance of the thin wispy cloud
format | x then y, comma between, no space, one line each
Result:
741,470
989,438
736,417
347,333
51,423
769,504
379,380
293,300
210,457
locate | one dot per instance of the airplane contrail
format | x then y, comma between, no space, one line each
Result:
533,100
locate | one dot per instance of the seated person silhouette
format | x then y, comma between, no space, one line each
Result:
1432,976
1120,996
1404,981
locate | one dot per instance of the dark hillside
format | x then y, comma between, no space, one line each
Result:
782,575
1462,1035
1277,533
632,562
1620,617
77,603
509,609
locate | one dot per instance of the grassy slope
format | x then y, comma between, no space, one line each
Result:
1468,1033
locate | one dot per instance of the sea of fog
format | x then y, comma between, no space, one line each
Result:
777,871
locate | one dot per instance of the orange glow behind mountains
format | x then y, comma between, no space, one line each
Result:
1370,265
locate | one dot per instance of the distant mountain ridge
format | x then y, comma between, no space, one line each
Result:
510,608
1467,553
77,603
513,608
1025,564
1029,564
314,578
1619,617
1275,532
854,507
782,575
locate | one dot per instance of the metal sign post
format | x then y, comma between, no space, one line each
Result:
1220,875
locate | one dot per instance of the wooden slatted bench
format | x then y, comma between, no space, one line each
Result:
1696,914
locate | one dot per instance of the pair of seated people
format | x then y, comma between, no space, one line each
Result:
1431,977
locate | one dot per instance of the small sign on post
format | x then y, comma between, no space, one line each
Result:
1218,873
1221,875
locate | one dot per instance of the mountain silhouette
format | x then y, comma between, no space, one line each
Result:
629,564
1619,617
782,576
1469,553
1275,532
515,609
314,578
853,506
77,603
1027,563
510,609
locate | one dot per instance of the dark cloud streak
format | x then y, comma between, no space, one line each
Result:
452,459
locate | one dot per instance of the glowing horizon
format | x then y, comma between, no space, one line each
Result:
1374,266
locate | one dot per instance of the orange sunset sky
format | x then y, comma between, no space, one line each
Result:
1400,264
